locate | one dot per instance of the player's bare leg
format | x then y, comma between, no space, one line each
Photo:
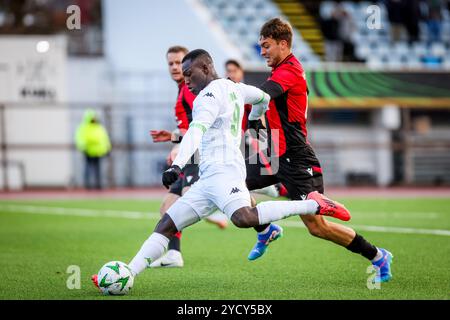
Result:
348,238
218,219
337,233
211,218
266,212
168,201
252,201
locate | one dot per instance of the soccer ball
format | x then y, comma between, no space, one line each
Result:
115,278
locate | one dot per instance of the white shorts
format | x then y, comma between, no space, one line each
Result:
223,189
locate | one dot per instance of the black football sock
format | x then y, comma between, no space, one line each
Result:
363,247
261,227
174,243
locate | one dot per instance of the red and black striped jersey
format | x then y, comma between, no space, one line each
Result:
288,106
183,107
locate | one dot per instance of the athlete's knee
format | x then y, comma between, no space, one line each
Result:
245,217
166,226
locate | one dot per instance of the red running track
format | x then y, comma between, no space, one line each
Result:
158,193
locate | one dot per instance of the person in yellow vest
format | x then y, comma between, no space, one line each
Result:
93,141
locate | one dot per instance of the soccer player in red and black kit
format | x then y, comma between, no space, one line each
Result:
190,174
235,72
298,167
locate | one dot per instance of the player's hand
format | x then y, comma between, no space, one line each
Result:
177,135
170,176
257,130
160,135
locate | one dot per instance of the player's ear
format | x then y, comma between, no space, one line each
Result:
205,69
284,44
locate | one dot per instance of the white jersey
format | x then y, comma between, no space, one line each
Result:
217,117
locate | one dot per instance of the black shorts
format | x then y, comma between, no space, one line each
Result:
299,177
188,176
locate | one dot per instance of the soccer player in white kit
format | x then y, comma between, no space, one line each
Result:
215,132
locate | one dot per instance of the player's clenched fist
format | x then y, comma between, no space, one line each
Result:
170,176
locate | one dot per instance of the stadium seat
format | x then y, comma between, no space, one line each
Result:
238,19
437,49
401,48
419,48
326,8
377,42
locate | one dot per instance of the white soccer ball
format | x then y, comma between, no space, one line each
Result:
115,278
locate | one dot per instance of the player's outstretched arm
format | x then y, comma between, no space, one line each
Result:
257,98
204,114
260,103
189,144
160,135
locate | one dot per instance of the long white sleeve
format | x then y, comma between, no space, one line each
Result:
256,97
205,111
190,143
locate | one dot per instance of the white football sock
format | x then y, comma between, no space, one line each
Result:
153,248
269,211
378,256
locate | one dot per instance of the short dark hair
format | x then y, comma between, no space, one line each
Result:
176,49
233,62
278,30
197,53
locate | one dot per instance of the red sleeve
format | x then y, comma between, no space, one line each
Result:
286,77
188,96
183,108
247,109
180,114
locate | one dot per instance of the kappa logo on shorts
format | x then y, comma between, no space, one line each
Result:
235,190
209,94
189,179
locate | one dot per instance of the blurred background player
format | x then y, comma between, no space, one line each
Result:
183,117
92,140
299,169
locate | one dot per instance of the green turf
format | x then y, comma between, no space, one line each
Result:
36,249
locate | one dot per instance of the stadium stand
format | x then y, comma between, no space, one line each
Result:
238,19
378,127
381,47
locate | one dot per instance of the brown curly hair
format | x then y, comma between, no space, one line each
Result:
278,30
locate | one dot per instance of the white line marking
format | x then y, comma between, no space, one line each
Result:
154,215
436,232
80,212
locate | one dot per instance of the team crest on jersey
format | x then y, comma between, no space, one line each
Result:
310,171
209,94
